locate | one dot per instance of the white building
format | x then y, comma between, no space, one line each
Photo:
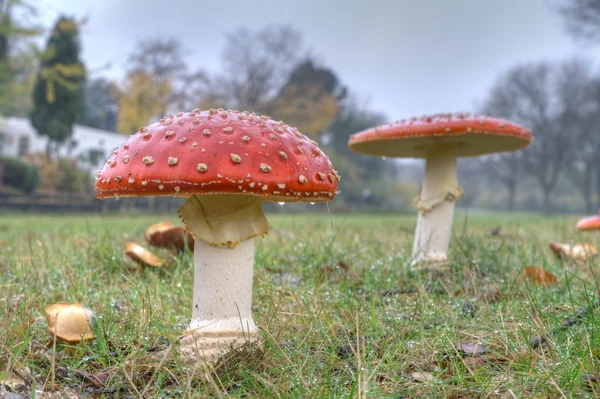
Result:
88,145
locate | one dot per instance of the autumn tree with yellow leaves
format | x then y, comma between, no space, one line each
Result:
141,98
18,58
309,99
157,82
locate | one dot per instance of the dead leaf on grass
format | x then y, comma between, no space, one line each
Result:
142,255
576,252
421,376
167,235
471,348
539,275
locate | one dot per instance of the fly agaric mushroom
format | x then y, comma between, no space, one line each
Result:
440,139
226,163
70,322
589,223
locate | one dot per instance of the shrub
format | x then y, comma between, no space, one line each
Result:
19,174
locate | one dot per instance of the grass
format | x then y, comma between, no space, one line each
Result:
341,313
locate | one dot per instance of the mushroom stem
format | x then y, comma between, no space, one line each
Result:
439,191
222,300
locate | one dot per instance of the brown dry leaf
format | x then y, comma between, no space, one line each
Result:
539,275
67,393
421,376
142,255
167,235
576,252
471,348
70,322
15,378
3,244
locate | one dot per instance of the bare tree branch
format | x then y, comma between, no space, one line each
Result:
546,98
582,18
258,63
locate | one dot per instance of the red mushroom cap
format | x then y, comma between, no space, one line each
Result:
416,137
219,152
589,223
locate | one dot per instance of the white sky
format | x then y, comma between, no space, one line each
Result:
408,57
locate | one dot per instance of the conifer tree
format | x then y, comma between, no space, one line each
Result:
58,96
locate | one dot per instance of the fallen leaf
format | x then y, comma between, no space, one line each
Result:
421,376
539,275
471,348
167,235
142,255
67,393
70,322
576,252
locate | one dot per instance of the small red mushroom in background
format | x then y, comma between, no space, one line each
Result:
589,223
439,139
226,163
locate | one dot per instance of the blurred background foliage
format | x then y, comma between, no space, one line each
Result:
271,70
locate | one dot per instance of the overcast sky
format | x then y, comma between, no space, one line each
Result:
408,57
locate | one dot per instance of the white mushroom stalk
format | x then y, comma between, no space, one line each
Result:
439,191
224,227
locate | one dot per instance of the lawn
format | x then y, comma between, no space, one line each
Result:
340,311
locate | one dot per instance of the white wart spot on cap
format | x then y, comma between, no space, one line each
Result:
172,161
148,160
202,167
265,168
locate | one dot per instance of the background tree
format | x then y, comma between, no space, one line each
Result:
257,64
58,96
544,98
582,18
101,99
140,100
17,54
158,82
309,99
360,173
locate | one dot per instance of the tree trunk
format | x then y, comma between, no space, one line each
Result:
586,189
49,149
512,195
547,209
597,172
